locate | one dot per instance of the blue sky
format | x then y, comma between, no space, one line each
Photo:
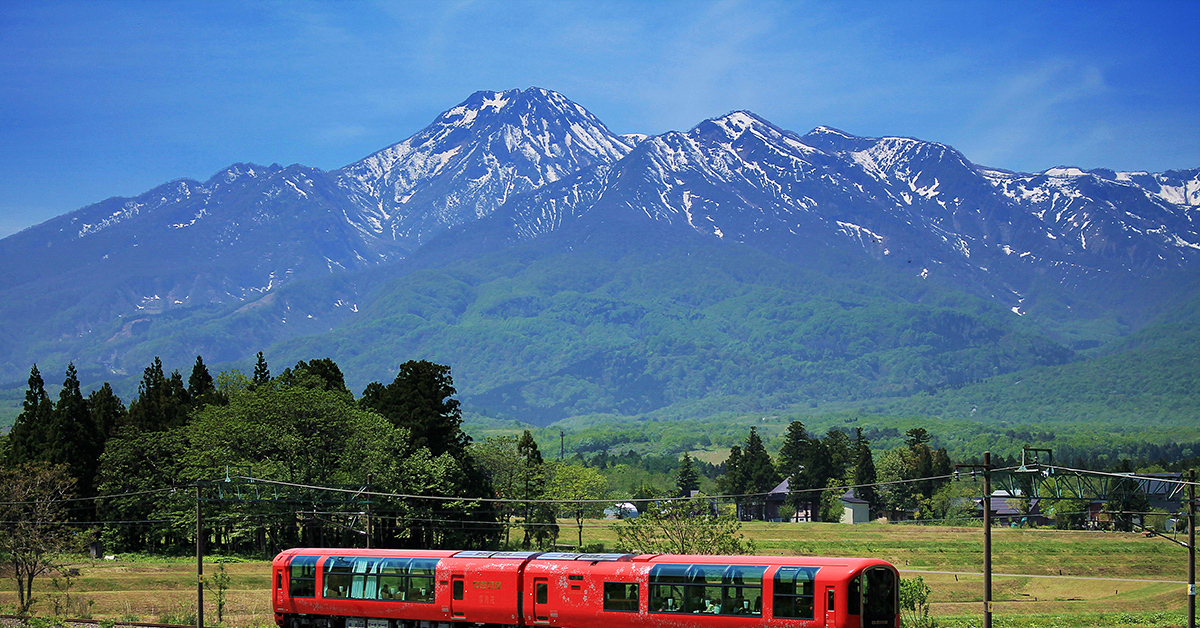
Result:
108,99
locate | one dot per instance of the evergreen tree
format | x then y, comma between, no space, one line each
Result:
686,479
864,470
74,440
734,481
795,458
201,388
761,475
29,435
837,445
262,374
540,522
421,399
162,402
107,411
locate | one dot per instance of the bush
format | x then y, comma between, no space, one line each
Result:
914,603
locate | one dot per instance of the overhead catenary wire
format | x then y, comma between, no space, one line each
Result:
361,491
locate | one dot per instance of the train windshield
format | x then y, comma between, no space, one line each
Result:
880,599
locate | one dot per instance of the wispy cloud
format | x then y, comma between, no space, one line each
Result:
1042,105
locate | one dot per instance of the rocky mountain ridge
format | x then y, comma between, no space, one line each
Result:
523,164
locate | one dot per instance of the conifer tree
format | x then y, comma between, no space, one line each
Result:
262,374
540,523
107,411
201,388
686,479
734,480
421,400
29,435
74,440
757,471
864,470
162,402
795,459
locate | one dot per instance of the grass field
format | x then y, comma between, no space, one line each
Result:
1041,578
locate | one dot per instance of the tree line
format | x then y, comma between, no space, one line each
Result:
302,427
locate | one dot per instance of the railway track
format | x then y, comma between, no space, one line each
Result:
17,620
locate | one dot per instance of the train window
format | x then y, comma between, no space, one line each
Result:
795,592
361,578
621,596
715,589
854,597
542,593
302,576
337,577
879,596
458,589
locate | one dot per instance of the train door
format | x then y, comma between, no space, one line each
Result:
830,606
880,596
541,600
458,594
278,595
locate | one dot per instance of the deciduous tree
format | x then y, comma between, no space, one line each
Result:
685,526
32,512
577,484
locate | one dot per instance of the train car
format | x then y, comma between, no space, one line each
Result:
328,588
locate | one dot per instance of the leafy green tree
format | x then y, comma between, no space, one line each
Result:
686,479
323,374
831,500
29,435
897,495
294,434
576,484
497,456
144,465
686,526
380,450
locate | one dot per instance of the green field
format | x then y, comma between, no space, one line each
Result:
1041,578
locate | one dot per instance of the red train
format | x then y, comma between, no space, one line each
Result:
353,588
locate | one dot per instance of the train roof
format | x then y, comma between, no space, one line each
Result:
848,563
806,561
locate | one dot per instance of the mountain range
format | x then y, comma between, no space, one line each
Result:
562,269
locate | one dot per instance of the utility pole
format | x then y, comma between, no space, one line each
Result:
199,561
987,533
369,512
987,539
1191,548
